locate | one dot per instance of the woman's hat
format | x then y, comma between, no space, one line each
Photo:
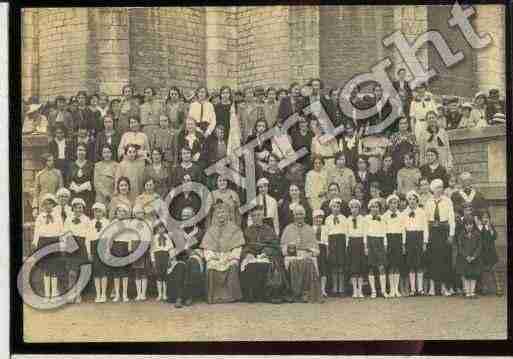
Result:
335,200
78,200
466,105
99,205
436,183
391,197
411,194
355,201
479,94
262,181
373,202
63,192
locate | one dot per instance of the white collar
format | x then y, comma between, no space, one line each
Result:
468,198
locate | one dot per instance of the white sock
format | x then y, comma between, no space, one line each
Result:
125,288
383,284
412,281
55,287
46,286
360,286
372,283
354,283
420,281
159,289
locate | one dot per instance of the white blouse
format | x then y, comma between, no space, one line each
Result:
43,229
359,231
395,225
445,209
374,228
208,115
340,228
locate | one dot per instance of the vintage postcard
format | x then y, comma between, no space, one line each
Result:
263,173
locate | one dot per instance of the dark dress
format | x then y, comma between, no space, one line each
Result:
80,176
388,181
478,202
263,281
300,141
177,173
99,268
469,244
351,153
439,172
439,252
112,141
187,278
344,208
223,117
453,120
62,164
278,183
183,200
401,145
488,251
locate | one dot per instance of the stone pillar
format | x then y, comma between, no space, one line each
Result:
490,62
411,21
263,51
350,40
221,46
112,49
304,50
29,53
65,61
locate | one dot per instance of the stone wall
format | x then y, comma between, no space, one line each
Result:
263,45
101,49
350,40
167,47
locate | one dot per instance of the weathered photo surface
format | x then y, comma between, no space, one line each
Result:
266,173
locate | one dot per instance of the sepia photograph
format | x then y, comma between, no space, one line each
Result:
263,173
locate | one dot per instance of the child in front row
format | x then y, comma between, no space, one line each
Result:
489,258
468,263
81,228
416,234
99,223
337,244
376,247
142,265
161,246
321,235
48,229
120,247
394,221
356,242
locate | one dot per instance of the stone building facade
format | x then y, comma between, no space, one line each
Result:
101,49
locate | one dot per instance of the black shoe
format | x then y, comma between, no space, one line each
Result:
178,303
276,301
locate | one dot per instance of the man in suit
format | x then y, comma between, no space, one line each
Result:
403,89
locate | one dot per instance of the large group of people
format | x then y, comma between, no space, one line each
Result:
360,215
